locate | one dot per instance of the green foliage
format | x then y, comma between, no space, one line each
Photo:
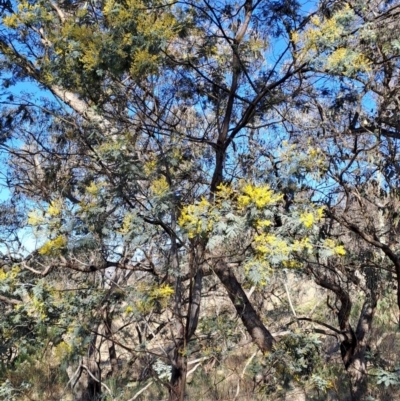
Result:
249,212
387,378
325,42
8,392
170,139
299,353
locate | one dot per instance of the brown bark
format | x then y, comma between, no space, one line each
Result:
10,301
348,341
353,345
196,282
222,141
86,386
112,352
178,375
378,244
179,366
177,383
250,318
194,304
357,366
364,326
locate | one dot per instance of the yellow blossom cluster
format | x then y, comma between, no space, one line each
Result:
36,308
302,245
269,247
149,166
11,21
55,208
126,224
159,187
177,153
110,147
143,306
142,58
164,291
260,196
310,218
330,30
356,61
312,159
93,189
35,218
147,26
314,152
200,218
267,244
10,274
160,294
62,350
292,264
338,250
262,224
307,219
197,218
326,33
128,309
53,247
225,192
261,265
26,13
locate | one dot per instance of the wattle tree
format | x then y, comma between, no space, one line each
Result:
154,151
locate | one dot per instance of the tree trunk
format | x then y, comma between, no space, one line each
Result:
358,377
354,344
357,367
177,382
255,327
86,386
179,366
112,352
178,375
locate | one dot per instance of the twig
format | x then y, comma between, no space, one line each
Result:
10,301
192,370
198,360
242,374
290,301
318,322
71,379
98,381
250,293
141,391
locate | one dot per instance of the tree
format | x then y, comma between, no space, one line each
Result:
353,143
173,141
